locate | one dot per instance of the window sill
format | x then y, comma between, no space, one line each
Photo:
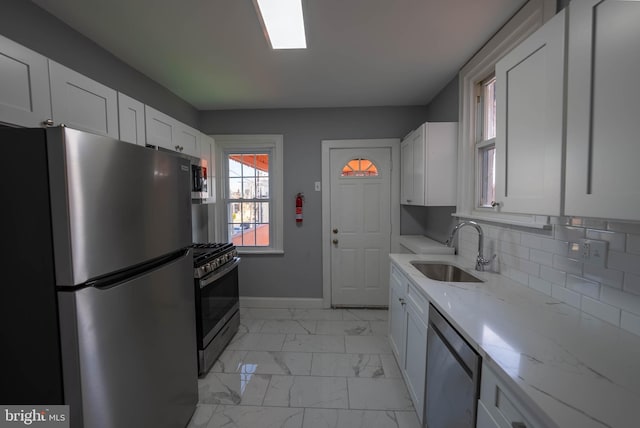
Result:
532,222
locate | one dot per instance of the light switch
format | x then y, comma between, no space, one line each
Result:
317,186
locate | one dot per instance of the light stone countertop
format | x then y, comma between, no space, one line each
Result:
569,368
420,244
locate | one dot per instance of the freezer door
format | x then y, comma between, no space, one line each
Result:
114,205
129,351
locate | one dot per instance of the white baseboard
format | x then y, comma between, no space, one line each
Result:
280,302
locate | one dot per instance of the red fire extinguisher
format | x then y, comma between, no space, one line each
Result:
299,200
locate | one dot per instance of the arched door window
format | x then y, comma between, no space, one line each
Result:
359,168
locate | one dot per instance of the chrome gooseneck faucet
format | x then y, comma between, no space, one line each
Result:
481,262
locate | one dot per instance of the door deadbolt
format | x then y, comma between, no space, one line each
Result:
335,230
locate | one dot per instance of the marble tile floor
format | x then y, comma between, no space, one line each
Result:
306,368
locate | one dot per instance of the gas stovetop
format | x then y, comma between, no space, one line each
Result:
210,257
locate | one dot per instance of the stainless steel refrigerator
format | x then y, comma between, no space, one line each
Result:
97,296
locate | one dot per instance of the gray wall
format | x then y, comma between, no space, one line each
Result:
27,24
298,273
434,222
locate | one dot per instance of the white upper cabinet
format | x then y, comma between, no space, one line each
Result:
160,128
603,110
187,140
82,103
131,120
412,169
529,123
24,86
429,165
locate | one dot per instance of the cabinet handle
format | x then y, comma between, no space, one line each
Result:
495,204
48,122
335,241
402,302
335,230
177,148
408,200
518,425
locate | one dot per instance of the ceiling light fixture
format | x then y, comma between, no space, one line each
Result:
282,22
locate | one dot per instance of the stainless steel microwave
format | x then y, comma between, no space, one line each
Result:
199,184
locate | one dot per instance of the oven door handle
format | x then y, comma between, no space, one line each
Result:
217,275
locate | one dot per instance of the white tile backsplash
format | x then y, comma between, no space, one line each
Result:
583,286
624,261
616,240
631,283
553,275
566,264
541,285
543,260
630,322
601,310
633,244
569,297
566,233
612,278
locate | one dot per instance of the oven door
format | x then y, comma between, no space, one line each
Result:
217,299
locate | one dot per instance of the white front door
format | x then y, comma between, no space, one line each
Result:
360,226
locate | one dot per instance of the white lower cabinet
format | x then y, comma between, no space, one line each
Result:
416,356
397,302
408,314
484,418
498,407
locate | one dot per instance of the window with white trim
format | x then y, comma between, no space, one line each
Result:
249,212
477,128
486,142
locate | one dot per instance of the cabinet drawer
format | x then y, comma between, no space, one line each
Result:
419,303
505,409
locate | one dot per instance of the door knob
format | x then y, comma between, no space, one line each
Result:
335,241
335,230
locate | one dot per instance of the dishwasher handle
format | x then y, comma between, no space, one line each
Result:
457,345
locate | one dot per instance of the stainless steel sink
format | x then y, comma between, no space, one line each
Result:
444,272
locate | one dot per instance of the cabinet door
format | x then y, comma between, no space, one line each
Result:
131,120
502,407
603,148
397,295
160,128
412,151
416,358
82,103
406,171
529,133
24,86
484,419
441,163
187,140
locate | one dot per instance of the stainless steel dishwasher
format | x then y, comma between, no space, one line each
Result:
453,376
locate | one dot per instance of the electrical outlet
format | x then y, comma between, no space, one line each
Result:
594,252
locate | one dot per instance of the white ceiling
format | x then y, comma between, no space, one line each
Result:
213,54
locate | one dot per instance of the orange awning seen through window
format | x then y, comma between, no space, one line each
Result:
257,161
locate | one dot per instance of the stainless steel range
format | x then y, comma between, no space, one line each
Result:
217,300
